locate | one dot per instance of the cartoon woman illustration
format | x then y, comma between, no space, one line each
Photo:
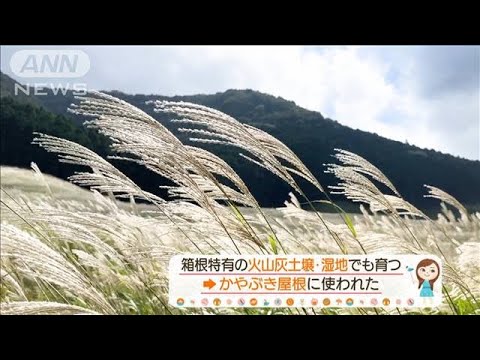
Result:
427,272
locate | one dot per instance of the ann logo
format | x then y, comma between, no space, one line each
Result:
50,63
57,63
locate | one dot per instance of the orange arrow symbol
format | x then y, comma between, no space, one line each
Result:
209,283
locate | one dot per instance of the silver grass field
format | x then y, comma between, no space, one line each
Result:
67,250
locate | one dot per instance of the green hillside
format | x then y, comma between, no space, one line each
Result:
308,133
7,89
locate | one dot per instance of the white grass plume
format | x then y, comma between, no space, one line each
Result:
43,308
34,259
441,195
220,128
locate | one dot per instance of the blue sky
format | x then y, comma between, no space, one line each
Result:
426,95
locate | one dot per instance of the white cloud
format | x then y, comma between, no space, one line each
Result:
387,90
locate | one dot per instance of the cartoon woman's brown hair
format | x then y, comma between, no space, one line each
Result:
427,275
